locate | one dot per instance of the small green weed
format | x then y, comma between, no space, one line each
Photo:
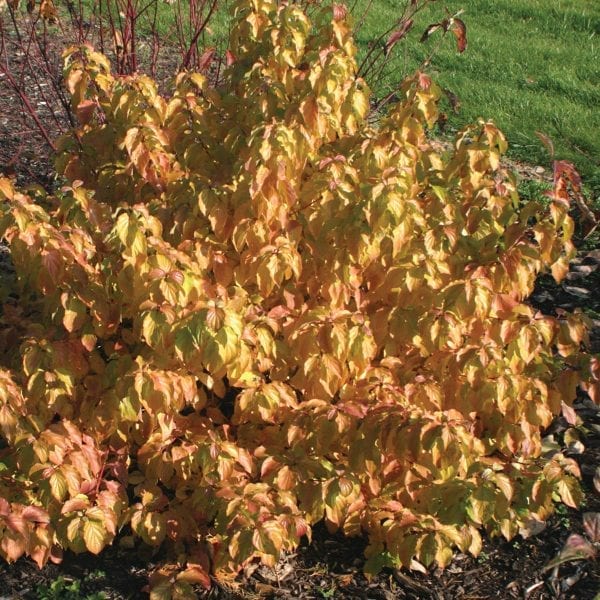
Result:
563,516
534,190
63,588
327,592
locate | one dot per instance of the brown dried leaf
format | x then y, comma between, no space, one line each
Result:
576,548
206,59
459,29
398,34
547,141
430,30
591,524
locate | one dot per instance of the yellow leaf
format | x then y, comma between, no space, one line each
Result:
94,535
58,486
12,545
476,543
73,529
162,590
154,528
569,491
286,479
195,574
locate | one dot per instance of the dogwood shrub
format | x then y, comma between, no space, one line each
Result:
248,310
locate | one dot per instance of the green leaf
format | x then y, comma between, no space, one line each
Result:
129,409
377,562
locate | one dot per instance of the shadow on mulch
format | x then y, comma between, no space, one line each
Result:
331,568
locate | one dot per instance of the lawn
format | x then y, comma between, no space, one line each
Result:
530,66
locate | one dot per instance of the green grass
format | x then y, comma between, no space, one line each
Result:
531,65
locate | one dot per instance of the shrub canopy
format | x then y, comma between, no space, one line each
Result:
248,310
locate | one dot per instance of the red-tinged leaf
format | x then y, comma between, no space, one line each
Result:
459,29
215,317
88,341
268,466
576,548
40,555
4,507
424,81
74,504
52,262
35,514
346,486
85,111
339,12
230,58
176,276
157,273
279,312
206,59
593,391
195,574
353,409
286,479
576,544
12,546
571,466
597,479
394,506
503,305
245,459
566,169
56,555
16,523
398,34
591,525
568,412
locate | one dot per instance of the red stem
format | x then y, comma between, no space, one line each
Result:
186,60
